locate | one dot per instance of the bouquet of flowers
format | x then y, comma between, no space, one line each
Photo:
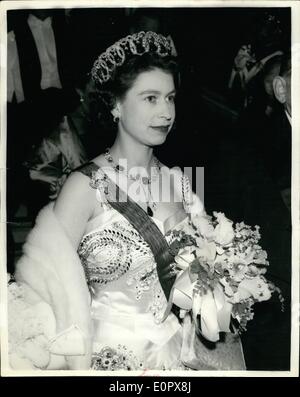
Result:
226,268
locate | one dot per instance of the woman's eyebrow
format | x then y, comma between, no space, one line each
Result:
157,92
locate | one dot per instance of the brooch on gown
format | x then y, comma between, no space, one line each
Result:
114,359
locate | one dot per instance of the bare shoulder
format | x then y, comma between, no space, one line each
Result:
75,205
75,189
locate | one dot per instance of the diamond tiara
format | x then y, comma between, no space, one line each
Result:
135,44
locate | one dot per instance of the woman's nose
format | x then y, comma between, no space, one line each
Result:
166,110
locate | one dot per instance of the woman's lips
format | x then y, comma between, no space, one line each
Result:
161,128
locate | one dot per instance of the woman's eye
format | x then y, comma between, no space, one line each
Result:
171,98
151,98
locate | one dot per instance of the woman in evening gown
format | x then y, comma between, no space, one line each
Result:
109,287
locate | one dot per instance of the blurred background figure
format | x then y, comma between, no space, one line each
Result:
265,41
43,44
265,146
58,154
244,70
46,62
271,70
283,140
39,73
39,69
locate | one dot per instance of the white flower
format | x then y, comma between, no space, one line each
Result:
260,257
256,271
237,271
204,226
227,288
224,233
255,287
206,251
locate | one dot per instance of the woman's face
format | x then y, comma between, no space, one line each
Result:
268,80
147,112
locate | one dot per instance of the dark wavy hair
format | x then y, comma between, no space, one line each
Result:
122,80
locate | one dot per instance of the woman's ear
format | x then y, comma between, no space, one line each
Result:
279,87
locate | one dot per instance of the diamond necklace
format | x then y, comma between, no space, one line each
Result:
145,180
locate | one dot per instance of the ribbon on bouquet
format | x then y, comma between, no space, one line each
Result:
213,308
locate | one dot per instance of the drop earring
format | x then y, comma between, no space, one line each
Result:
116,119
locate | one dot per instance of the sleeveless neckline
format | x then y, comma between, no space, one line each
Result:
164,225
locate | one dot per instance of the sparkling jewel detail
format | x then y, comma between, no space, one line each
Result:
120,168
107,255
145,180
135,44
113,359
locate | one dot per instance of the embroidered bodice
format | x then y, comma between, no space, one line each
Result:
119,265
120,268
